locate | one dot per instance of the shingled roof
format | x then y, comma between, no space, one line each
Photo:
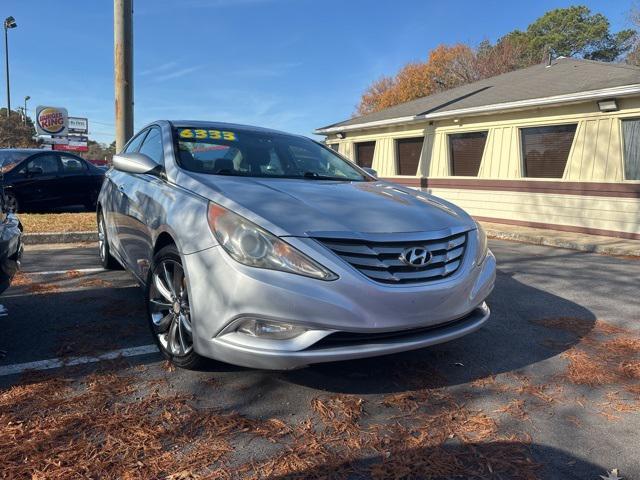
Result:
563,81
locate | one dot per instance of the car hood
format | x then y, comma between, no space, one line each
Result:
299,207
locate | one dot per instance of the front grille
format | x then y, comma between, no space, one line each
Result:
381,262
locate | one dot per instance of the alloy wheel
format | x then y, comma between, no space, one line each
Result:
102,241
169,307
11,203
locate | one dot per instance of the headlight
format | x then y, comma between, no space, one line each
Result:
482,244
251,245
255,327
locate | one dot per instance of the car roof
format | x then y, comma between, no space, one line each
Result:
23,150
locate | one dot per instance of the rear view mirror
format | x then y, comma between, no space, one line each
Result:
134,163
34,171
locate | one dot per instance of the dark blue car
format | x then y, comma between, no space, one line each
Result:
44,179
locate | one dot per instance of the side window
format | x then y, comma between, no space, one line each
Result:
465,152
408,152
72,164
364,153
631,137
43,165
153,147
545,150
135,143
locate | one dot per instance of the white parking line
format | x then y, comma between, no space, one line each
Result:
57,291
61,272
57,362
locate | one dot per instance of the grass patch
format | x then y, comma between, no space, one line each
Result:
58,222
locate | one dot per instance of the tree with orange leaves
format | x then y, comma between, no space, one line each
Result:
563,31
446,67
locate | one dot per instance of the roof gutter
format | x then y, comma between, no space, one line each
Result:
622,91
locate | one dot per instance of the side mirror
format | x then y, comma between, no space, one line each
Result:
134,163
370,171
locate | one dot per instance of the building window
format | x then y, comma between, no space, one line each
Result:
335,147
631,138
364,154
466,151
545,150
408,155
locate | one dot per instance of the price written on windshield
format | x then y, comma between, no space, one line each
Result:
201,134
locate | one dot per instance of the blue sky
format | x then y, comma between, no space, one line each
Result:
288,64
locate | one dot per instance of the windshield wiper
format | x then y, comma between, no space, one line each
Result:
316,176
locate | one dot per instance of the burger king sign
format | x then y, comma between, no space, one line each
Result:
51,120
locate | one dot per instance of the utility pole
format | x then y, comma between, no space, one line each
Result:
9,22
123,70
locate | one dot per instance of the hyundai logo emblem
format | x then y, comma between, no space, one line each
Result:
416,257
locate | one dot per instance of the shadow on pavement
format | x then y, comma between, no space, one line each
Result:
472,460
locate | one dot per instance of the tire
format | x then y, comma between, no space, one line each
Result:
168,309
106,259
11,204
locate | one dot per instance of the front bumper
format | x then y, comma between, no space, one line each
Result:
246,356
222,291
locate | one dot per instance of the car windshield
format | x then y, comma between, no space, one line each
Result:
258,154
10,158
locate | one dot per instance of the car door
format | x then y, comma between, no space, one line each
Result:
141,207
36,181
74,180
114,203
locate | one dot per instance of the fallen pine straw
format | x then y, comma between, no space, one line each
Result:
115,426
598,359
604,363
54,429
24,280
576,326
339,412
515,408
58,222
95,283
618,405
417,448
580,326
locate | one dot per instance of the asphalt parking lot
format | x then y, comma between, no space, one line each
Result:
550,388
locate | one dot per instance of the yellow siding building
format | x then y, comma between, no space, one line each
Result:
553,146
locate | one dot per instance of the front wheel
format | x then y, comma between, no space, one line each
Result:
169,310
107,260
10,203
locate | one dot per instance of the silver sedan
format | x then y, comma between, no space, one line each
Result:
269,250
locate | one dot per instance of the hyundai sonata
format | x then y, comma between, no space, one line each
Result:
270,250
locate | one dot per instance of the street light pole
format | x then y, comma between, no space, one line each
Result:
9,22
25,108
123,70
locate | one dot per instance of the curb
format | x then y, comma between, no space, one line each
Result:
64,237
562,243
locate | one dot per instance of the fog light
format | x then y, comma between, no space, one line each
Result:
268,329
